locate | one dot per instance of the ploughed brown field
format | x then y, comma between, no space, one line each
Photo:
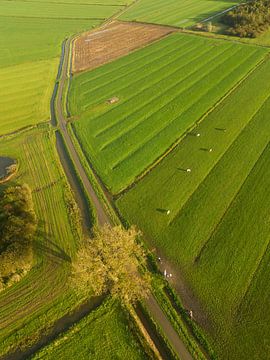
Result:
114,40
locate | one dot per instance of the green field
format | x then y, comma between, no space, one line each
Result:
104,334
163,90
177,13
39,299
60,10
31,94
31,34
217,233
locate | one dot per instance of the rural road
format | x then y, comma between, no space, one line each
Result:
102,217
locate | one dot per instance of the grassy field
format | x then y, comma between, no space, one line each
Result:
177,13
217,232
29,59
104,334
31,34
163,90
29,87
39,299
27,9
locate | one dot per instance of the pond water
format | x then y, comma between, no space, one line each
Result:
5,162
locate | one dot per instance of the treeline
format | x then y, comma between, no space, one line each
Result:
248,20
17,229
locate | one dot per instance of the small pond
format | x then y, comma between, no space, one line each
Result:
5,162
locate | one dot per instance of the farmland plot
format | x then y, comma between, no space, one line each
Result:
217,232
182,13
163,90
56,10
113,41
101,335
44,291
25,94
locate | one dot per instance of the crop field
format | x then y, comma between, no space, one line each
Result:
101,335
217,232
56,10
183,13
113,41
163,90
29,87
31,34
41,291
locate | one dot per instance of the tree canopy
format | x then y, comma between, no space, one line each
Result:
249,19
112,261
17,228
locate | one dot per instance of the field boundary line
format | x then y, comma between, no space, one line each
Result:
215,36
192,127
227,209
253,275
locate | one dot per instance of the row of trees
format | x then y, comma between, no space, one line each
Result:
249,19
17,228
112,262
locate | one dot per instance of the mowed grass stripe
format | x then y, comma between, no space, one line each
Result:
139,75
90,84
168,178
185,108
147,95
161,107
123,65
217,232
236,259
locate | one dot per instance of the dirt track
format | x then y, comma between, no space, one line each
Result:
113,41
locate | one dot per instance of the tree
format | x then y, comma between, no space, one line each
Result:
17,230
112,261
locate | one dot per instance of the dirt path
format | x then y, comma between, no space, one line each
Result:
102,217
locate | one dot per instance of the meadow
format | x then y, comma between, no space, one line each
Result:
163,90
31,34
38,299
217,231
183,13
100,335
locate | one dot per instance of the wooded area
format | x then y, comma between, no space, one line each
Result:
248,20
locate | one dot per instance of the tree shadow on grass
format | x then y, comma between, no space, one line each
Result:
47,248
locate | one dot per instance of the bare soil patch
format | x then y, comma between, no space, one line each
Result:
113,41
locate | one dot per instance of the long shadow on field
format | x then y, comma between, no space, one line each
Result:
47,248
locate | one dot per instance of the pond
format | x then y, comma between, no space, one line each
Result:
5,163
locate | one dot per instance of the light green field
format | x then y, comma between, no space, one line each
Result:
29,59
31,34
182,13
33,39
28,87
55,10
163,90
104,334
217,232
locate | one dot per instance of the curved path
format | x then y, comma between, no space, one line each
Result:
102,217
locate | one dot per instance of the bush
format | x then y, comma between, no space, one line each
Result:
17,229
